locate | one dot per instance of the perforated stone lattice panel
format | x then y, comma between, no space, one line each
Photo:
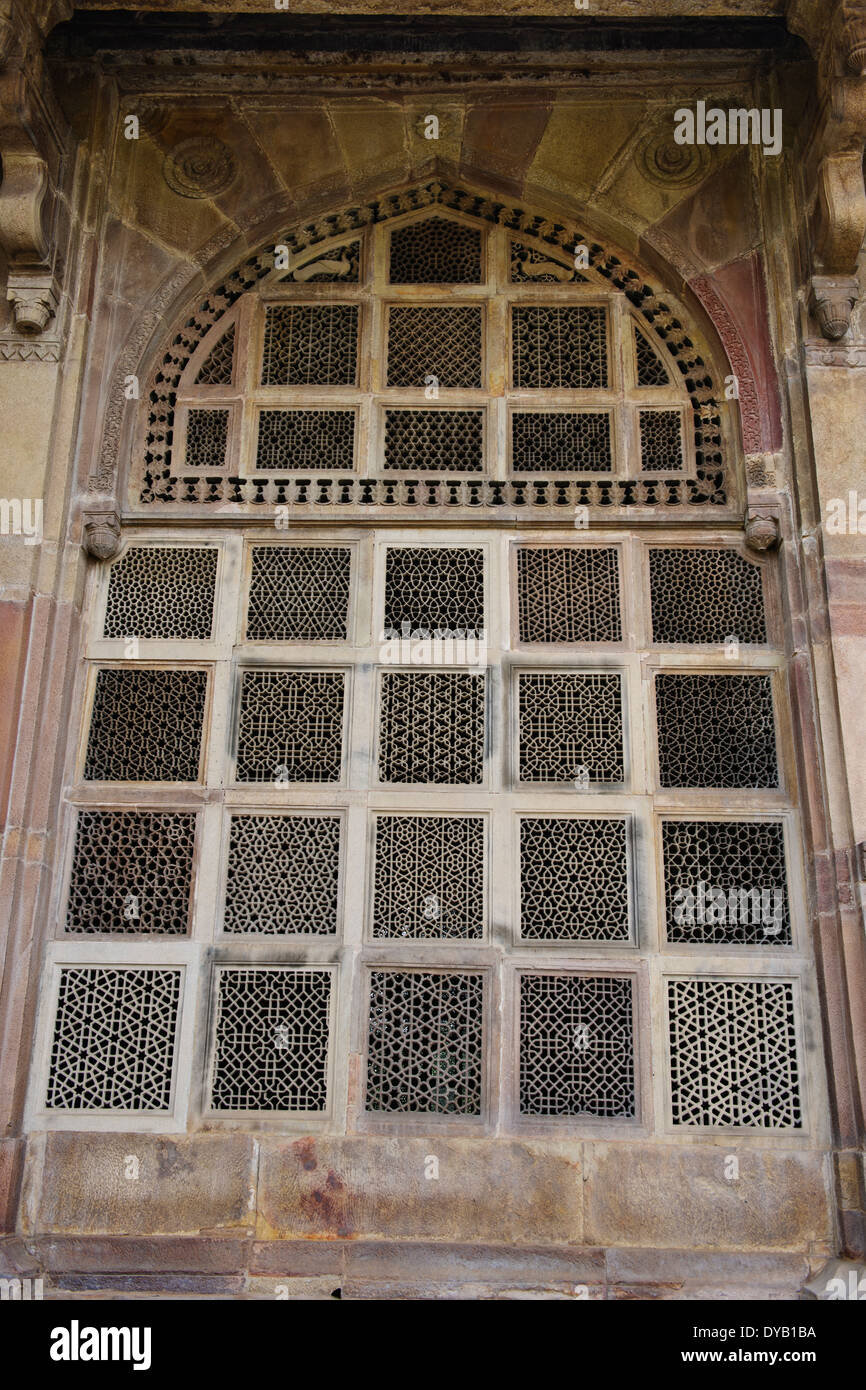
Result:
716,731
429,879
562,347
706,596
290,727
207,437
576,1046
271,1039
283,875
449,441
434,589
161,592
310,345
146,726
742,860
561,441
424,1052
573,879
131,872
216,370
733,1050
113,1043
299,593
570,722
431,727
661,441
434,345
568,594
309,439
435,252
651,371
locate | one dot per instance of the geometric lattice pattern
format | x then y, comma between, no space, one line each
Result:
570,727
433,588
207,434
114,1038
216,370
651,371
283,875
562,347
733,1047
434,341
435,252
716,731
450,441
573,879
146,725
576,1045
132,872
561,441
725,883
570,594
157,591
431,727
306,439
661,440
291,726
299,593
705,596
310,345
425,1042
429,879
271,1039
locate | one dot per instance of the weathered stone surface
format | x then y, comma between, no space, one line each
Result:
370,1186
675,1196
193,1184
136,1254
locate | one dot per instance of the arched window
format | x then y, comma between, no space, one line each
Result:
434,765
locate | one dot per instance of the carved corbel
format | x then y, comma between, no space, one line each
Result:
834,157
762,531
101,532
30,147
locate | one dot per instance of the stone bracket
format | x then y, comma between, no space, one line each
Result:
101,531
833,300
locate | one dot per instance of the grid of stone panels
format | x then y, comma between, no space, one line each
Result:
309,346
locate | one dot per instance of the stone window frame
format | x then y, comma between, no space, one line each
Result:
499,801
770,590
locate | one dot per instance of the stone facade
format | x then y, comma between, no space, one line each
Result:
142,206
